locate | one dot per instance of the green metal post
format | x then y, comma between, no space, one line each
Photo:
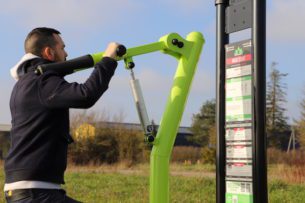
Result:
160,155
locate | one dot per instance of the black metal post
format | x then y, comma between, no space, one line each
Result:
260,192
222,39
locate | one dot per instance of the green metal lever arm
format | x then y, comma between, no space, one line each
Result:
164,44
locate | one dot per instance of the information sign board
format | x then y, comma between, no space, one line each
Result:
238,118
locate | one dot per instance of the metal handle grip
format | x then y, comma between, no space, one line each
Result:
120,50
70,66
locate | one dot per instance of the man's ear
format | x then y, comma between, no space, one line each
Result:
48,53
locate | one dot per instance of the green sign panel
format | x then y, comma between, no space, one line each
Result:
239,192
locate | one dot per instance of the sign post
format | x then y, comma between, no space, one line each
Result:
241,92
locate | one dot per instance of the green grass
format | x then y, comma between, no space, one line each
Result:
130,188
103,187
98,187
286,193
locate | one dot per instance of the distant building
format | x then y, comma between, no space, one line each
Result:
89,129
4,139
5,128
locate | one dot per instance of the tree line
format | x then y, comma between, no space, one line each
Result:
112,145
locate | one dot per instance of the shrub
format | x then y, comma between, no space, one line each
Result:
294,158
183,154
208,155
101,148
108,145
131,146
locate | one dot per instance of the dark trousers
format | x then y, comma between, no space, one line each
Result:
38,196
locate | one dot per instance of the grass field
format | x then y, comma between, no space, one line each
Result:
188,183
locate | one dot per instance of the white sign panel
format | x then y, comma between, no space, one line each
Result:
238,134
239,151
239,168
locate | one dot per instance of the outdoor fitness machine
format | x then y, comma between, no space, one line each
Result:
241,94
187,52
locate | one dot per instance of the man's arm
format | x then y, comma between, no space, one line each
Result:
56,92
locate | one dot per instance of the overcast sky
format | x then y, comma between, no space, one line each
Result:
88,26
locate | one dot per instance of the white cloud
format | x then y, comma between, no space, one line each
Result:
204,82
31,13
187,6
155,81
155,88
285,20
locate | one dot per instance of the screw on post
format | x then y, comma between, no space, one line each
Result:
177,43
151,133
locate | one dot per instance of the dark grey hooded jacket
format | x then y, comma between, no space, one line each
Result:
40,118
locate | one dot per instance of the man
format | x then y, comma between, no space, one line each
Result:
39,104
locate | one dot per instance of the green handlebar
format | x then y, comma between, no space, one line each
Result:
165,44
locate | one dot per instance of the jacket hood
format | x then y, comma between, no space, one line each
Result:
15,70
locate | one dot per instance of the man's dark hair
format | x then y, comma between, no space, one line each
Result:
38,39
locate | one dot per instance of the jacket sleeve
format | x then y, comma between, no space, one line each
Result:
56,92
